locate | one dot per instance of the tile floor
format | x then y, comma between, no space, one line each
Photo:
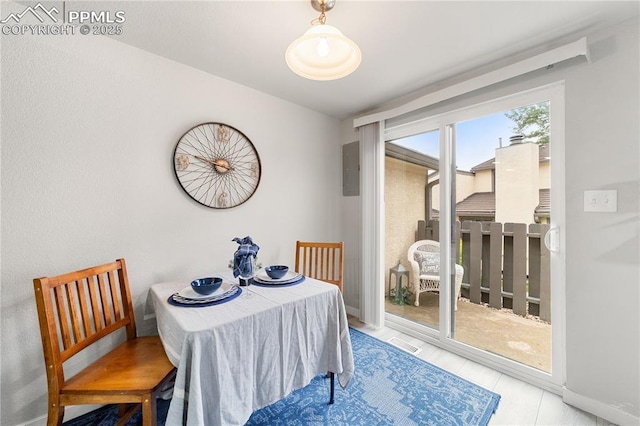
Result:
520,402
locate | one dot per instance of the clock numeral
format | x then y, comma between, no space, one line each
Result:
224,134
182,162
222,200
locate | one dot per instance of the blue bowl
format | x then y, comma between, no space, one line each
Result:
206,286
277,271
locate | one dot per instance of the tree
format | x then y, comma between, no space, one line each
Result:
531,121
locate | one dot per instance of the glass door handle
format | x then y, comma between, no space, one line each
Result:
551,240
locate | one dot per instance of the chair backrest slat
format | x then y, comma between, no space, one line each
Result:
95,311
104,299
321,260
84,310
79,308
72,289
63,319
114,295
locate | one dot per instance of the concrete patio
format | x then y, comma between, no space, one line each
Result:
523,339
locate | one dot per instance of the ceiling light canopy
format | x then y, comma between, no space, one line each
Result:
323,52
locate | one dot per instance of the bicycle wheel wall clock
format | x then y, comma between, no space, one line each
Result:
217,165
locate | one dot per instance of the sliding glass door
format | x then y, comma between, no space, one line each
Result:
501,215
411,196
467,212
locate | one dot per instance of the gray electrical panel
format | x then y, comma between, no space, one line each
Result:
351,169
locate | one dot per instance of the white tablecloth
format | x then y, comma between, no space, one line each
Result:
237,357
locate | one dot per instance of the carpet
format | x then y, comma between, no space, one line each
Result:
390,387
108,416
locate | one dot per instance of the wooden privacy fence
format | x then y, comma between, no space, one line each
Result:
504,266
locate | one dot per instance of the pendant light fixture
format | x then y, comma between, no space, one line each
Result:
323,52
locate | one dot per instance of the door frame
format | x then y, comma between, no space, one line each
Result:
442,122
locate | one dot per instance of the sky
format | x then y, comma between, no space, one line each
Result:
476,140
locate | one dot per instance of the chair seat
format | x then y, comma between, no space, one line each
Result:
113,372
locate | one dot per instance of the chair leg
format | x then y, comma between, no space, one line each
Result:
55,414
122,410
149,408
125,412
332,386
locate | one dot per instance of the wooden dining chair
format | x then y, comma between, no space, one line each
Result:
79,308
322,261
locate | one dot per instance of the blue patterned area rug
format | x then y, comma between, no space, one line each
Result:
108,416
390,387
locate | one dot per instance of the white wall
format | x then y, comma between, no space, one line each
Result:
602,137
603,260
88,131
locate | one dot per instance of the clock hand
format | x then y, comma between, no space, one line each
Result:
217,163
206,160
223,165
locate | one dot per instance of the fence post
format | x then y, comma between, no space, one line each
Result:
515,262
428,230
434,226
475,257
465,236
495,265
507,269
421,232
539,272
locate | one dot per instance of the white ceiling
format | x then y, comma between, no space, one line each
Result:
406,45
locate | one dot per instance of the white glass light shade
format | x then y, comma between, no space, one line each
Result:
323,53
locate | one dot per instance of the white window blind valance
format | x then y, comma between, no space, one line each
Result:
542,60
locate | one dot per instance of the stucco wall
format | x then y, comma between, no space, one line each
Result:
516,183
404,205
483,182
465,186
88,131
544,174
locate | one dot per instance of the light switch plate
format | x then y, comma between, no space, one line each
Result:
601,201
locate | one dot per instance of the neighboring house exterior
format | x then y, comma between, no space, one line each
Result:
514,186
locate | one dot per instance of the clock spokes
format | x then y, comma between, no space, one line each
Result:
220,165
217,165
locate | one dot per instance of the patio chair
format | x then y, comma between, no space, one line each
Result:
424,258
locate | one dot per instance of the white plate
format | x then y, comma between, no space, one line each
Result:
189,293
263,277
220,297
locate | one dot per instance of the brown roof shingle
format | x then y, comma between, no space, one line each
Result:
478,204
484,204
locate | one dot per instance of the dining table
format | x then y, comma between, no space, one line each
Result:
242,354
